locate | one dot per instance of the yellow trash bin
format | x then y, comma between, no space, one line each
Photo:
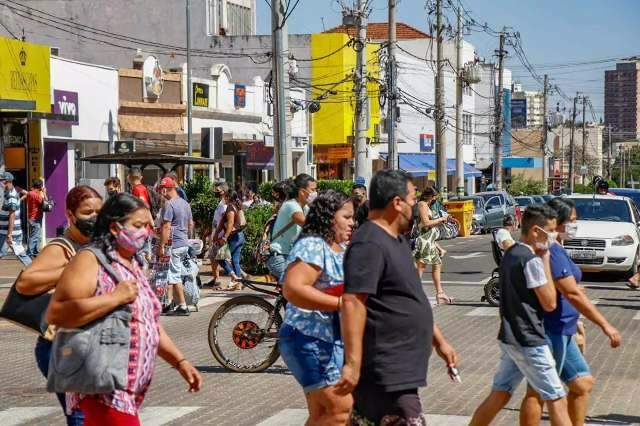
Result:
463,212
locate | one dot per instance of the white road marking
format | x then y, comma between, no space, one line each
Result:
297,417
20,415
212,300
636,316
484,311
158,416
469,256
482,281
149,416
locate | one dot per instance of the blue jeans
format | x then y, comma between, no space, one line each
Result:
570,362
277,264
314,363
235,241
534,363
35,237
17,245
43,354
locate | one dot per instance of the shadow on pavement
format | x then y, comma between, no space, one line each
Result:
604,287
614,419
215,369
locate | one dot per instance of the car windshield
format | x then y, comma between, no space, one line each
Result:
548,197
523,202
488,196
603,210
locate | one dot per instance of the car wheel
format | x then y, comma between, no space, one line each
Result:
634,267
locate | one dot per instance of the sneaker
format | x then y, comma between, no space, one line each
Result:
166,308
179,312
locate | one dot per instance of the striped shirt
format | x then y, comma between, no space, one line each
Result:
11,204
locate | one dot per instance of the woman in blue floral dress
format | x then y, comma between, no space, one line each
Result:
310,341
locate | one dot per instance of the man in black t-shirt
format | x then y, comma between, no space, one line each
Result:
388,328
526,291
360,204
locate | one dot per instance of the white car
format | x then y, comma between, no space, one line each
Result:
608,234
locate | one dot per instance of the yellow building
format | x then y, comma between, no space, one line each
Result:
333,126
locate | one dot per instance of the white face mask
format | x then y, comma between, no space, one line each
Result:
570,231
311,197
551,238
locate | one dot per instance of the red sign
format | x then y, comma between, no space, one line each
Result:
260,156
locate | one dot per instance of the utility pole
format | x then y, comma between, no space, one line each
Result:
545,126
609,155
189,94
497,143
584,135
362,101
459,126
572,146
280,47
391,89
441,140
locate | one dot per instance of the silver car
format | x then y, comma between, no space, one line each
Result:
497,204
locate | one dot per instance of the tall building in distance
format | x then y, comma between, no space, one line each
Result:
527,108
621,100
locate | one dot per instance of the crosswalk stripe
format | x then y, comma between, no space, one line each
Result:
158,416
636,316
297,417
149,416
484,311
20,415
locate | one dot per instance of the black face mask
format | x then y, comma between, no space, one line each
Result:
112,192
358,198
86,226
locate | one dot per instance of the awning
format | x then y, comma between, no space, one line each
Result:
420,164
163,160
521,162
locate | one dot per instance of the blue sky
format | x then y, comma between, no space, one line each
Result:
552,32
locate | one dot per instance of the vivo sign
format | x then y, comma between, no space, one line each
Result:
66,103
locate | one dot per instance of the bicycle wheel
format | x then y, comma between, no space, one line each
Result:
237,337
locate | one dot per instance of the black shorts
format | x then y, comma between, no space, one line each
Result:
374,406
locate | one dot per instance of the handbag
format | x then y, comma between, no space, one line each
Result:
92,359
47,205
29,310
223,252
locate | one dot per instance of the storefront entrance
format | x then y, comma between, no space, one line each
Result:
57,183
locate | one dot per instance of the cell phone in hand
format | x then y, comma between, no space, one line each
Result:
455,375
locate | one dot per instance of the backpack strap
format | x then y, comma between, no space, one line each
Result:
281,232
104,262
66,245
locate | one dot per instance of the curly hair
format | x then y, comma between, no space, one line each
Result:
319,220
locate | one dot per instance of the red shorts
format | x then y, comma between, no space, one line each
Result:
98,414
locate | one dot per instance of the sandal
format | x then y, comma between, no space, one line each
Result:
443,299
632,284
442,251
237,286
222,287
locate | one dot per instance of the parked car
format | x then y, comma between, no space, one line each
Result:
548,197
538,199
608,236
524,202
479,222
498,204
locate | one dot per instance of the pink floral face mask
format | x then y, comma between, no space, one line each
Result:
132,239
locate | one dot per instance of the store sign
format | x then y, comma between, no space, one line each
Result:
426,142
240,96
66,103
518,113
260,156
342,153
35,151
152,78
24,76
200,95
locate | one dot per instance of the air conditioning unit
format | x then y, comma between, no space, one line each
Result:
55,51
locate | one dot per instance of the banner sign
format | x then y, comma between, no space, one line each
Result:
66,103
345,153
518,113
426,142
240,96
260,156
200,94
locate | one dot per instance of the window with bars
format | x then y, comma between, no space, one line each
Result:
467,129
239,19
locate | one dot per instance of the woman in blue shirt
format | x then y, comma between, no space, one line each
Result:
561,324
310,341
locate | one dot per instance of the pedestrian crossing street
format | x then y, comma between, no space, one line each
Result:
158,416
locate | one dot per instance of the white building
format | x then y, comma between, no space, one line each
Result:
90,93
231,17
534,105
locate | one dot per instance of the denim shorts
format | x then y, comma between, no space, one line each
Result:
570,362
277,264
536,364
176,265
314,363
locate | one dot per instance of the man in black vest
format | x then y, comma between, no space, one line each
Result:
526,291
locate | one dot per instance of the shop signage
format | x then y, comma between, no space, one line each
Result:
426,142
66,103
35,152
24,76
260,156
518,113
342,153
152,78
240,96
200,95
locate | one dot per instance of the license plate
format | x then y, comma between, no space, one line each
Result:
583,254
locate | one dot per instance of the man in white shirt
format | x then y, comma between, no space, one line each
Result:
220,190
503,235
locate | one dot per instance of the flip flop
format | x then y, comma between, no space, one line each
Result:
632,286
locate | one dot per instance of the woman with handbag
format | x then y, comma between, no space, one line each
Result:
82,206
231,227
87,292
